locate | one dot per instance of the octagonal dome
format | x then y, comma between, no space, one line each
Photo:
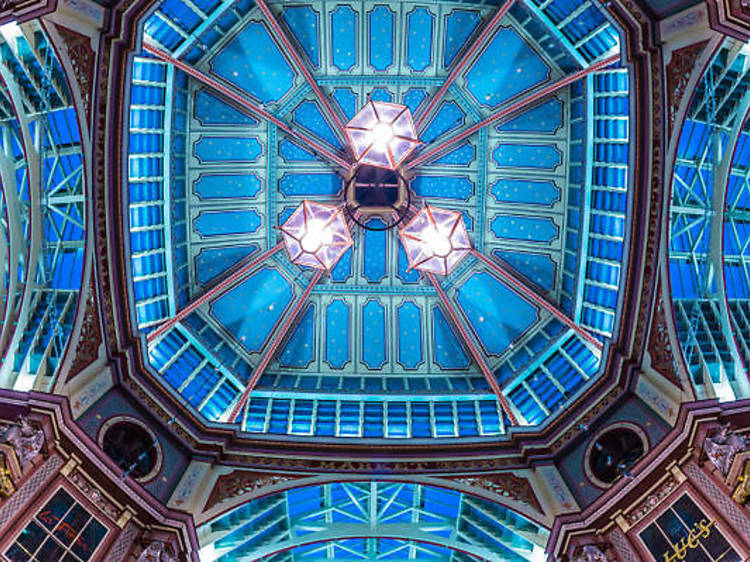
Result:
237,116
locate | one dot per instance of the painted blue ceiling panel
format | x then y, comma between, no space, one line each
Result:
254,63
485,301
304,23
506,68
252,309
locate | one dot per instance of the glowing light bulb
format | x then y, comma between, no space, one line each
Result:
316,236
437,241
382,134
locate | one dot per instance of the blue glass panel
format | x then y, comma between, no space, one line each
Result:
337,334
308,115
524,228
344,38
526,192
544,118
539,268
461,156
409,335
448,117
211,261
220,223
373,334
507,67
375,254
545,157
212,110
228,149
448,352
419,39
450,187
298,352
406,275
459,26
215,186
253,62
303,21
381,37
292,152
292,184
251,310
347,101
413,98
497,314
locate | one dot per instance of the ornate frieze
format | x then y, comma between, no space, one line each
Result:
241,482
679,70
652,501
505,485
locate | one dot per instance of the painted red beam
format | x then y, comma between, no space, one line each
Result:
248,105
290,50
473,349
214,292
270,351
460,65
530,295
508,111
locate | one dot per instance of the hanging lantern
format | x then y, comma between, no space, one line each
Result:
382,134
316,235
435,240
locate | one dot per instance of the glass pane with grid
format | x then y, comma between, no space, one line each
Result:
62,530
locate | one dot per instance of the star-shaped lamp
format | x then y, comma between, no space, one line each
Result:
382,134
435,240
316,235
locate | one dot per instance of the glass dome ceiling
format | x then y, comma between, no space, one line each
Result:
236,116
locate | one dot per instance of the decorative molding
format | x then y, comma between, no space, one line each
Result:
241,482
96,496
652,501
660,346
29,490
24,10
622,546
90,335
123,544
719,500
588,419
730,17
679,71
506,485
82,60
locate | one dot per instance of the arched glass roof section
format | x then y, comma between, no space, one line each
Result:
708,228
367,520
42,210
235,116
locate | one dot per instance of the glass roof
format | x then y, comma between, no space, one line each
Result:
42,225
710,227
235,118
372,521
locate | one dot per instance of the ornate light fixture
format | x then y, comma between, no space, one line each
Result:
316,235
382,134
435,240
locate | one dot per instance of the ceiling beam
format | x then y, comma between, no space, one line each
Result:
291,51
245,104
270,350
508,111
214,292
514,282
473,349
463,62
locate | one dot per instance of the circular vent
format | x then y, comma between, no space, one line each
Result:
132,447
613,452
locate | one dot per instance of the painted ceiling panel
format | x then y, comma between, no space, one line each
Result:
373,351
